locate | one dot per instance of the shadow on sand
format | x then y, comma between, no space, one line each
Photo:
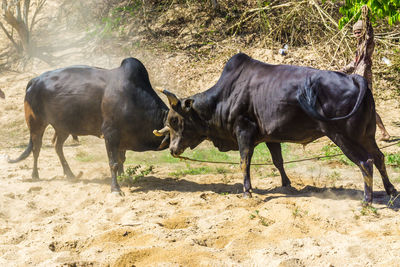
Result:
152,183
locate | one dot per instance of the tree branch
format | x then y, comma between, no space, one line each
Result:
19,16
20,27
38,8
26,11
9,36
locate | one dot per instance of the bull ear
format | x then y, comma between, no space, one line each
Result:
173,99
187,104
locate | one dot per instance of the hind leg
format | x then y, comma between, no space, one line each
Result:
385,134
61,137
37,136
276,154
379,161
357,154
36,127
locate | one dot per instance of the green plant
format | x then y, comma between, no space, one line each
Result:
274,172
393,159
221,170
380,9
369,210
132,174
117,19
392,200
297,212
333,177
262,220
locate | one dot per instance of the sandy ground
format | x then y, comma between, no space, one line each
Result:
192,220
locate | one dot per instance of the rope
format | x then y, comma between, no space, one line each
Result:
271,163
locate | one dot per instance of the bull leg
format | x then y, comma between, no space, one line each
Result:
360,157
276,154
37,145
75,138
36,128
61,137
379,161
246,149
246,152
121,160
111,137
385,134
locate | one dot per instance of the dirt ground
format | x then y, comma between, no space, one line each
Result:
191,220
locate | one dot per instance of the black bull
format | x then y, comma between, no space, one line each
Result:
254,102
119,104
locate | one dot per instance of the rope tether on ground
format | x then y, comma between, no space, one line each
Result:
270,163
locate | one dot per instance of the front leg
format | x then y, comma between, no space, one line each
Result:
112,139
245,137
121,160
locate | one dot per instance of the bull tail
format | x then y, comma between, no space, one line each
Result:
24,154
28,150
307,98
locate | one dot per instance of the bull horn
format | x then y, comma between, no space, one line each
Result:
159,89
161,132
173,99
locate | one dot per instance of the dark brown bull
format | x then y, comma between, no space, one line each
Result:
254,102
119,104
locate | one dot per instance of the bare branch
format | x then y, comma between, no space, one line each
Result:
9,36
26,12
4,5
20,27
19,16
38,8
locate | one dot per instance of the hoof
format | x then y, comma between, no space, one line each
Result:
71,176
118,193
289,189
393,192
247,195
366,204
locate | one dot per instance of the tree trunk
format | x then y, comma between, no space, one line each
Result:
21,28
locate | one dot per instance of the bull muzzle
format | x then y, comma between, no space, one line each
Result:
161,132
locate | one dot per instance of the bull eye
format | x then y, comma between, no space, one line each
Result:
174,122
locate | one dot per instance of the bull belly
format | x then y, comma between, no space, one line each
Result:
293,135
79,128
136,143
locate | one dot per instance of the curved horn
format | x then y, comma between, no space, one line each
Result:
165,142
159,89
173,99
161,132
